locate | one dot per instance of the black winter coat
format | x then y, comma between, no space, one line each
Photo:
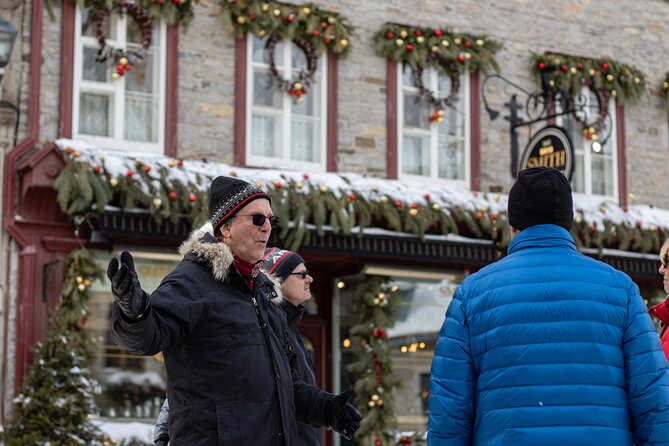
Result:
301,363
226,353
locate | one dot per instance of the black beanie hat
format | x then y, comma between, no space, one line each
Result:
227,196
540,195
281,262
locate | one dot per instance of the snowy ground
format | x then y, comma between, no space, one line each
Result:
126,431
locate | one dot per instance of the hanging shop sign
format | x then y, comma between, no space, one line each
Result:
549,147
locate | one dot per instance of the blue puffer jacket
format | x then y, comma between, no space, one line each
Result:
548,347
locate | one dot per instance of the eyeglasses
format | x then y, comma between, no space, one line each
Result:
665,259
300,273
259,219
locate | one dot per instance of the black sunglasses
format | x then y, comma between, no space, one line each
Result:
665,259
259,219
301,273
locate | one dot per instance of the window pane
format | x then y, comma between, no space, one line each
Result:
408,78
93,70
414,111
299,59
260,52
311,102
416,155
266,135
89,26
140,111
134,32
306,137
94,114
577,177
602,175
451,159
264,92
141,77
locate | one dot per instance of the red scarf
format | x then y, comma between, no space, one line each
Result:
248,270
661,311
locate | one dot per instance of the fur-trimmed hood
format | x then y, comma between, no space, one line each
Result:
203,243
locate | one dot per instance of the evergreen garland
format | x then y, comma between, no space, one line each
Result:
372,368
664,92
622,82
56,401
449,52
171,11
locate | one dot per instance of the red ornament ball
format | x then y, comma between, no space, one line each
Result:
130,173
541,65
409,47
437,32
147,169
97,169
173,195
461,58
180,163
390,35
192,198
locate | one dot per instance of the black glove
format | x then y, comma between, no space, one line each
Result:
341,415
125,287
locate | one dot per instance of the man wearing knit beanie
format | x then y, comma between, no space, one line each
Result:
547,346
222,335
290,270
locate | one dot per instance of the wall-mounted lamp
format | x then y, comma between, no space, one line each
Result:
7,39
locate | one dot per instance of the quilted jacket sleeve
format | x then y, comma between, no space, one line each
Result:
452,382
647,375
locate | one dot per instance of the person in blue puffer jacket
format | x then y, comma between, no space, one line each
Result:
547,346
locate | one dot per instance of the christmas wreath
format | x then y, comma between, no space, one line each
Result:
311,28
122,59
449,52
605,78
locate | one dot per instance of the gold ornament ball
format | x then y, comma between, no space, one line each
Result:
371,404
87,283
258,184
480,42
630,196
413,212
113,182
381,295
324,189
404,34
434,49
614,93
277,12
264,7
399,42
123,61
609,77
383,199
157,202
170,163
306,10
77,154
379,402
115,75
394,288
591,72
79,279
340,284
299,100
468,56
297,86
81,287
551,83
261,33
332,20
420,39
457,41
375,397
665,85
436,207
573,70
444,43
376,301
299,185
637,80
343,42
241,19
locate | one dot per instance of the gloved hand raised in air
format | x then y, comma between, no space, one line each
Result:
125,287
341,415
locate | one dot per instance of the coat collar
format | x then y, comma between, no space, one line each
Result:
542,236
218,256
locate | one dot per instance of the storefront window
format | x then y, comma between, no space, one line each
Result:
423,304
130,386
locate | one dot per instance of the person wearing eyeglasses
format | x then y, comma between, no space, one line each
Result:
661,310
289,269
223,335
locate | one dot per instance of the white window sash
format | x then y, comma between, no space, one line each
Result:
284,161
432,132
115,89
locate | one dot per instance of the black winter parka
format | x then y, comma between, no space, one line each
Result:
226,352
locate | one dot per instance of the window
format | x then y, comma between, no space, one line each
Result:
433,150
422,306
595,165
281,133
130,386
124,113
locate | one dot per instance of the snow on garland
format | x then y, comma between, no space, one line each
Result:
347,203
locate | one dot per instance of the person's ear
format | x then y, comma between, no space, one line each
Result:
514,232
225,231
